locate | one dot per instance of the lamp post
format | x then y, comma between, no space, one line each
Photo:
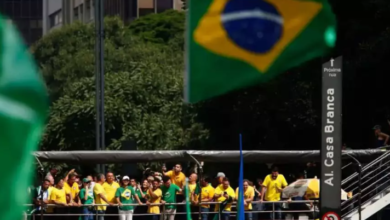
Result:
99,77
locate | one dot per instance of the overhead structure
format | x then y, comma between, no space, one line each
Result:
115,157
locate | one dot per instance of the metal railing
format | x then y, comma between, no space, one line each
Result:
282,207
373,180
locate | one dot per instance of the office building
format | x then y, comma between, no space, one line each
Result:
59,12
26,15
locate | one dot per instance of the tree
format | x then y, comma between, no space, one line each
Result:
160,28
143,93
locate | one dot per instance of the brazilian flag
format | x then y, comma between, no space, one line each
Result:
23,109
222,207
237,43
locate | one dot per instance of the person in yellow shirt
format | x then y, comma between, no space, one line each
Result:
273,185
207,196
58,197
100,196
193,198
222,193
249,195
72,193
110,187
154,195
177,178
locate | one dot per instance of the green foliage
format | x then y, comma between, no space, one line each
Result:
159,28
143,92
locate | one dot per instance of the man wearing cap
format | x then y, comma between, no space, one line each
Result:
382,138
124,196
86,198
110,186
220,176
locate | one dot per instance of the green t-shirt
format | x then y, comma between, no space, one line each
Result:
138,192
169,195
126,197
89,199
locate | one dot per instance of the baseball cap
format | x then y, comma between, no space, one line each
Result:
126,178
86,180
220,174
376,127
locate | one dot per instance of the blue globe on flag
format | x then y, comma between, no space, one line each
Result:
254,25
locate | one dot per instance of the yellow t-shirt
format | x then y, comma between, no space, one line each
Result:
207,193
192,188
73,191
178,180
273,186
249,193
111,190
50,190
220,190
97,190
155,209
58,195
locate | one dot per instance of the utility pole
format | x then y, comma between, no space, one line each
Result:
99,77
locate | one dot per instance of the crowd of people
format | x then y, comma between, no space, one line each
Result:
158,196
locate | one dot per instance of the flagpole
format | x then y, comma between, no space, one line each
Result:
240,201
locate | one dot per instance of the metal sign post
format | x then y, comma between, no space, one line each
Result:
331,141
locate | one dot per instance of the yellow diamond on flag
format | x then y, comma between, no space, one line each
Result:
211,31
126,194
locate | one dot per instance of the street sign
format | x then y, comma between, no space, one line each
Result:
331,141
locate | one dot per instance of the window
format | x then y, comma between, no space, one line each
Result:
34,24
145,11
54,19
81,13
163,5
76,13
59,14
88,4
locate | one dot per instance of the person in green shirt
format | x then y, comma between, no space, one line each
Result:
86,198
169,191
124,196
141,191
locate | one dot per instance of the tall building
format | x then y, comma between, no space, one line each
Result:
59,12
26,15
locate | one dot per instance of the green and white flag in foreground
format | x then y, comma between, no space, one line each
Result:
23,108
232,44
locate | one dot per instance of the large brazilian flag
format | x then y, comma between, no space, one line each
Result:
23,109
236,43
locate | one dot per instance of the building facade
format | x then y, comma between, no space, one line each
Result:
56,13
26,15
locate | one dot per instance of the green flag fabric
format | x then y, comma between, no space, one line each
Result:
222,207
235,43
188,202
23,108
